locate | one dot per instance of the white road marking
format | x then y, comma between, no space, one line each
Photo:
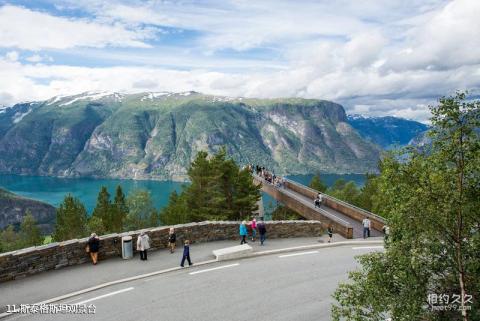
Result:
296,254
213,269
105,295
367,247
68,301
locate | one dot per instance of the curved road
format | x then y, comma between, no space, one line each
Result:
293,286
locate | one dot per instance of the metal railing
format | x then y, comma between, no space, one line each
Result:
292,195
367,213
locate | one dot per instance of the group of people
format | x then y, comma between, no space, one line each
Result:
253,226
143,244
268,176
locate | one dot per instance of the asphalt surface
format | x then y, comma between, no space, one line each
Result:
292,286
53,283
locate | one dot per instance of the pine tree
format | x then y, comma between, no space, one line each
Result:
71,220
119,210
142,213
9,239
203,195
246,195
104,211
29,232
219,190
176,212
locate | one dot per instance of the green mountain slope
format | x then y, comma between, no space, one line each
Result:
13,208
156,135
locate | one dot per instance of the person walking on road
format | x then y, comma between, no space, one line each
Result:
262,229
143,244
186,254
366,227
243,232
93,247
172,239
330,233
253,224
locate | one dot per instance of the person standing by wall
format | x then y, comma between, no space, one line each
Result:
93,247
186,254
262,229
330,233
366,227
172,239
253,224
143,244
243,232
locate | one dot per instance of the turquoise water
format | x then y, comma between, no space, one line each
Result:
52,190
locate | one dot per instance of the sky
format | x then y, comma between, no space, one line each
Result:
376,58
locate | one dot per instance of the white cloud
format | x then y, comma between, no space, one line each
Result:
380,58
26,29
34,58
12,56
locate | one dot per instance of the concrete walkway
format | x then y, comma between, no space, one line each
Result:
357,226
54,283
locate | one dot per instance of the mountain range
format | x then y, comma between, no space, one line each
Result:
388,132
156,135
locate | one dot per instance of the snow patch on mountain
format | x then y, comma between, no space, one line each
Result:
19,116
153,95
92,96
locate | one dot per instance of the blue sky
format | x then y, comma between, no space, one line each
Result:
375,57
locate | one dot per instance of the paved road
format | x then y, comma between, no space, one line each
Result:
295,286
54,283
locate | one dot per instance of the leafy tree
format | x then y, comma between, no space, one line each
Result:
317,184
104,210
142,213
345,191
71,220
119,210
9,239
368,194
95,225
29,232
431,198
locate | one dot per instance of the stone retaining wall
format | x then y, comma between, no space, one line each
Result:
33,260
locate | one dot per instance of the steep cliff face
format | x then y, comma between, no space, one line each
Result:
156,135
13,208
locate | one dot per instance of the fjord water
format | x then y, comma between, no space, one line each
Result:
52,190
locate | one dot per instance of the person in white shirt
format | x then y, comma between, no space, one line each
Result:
366,227
143,244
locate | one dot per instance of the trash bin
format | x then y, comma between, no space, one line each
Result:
127,248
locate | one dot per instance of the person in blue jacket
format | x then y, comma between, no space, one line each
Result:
186,253
243,232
